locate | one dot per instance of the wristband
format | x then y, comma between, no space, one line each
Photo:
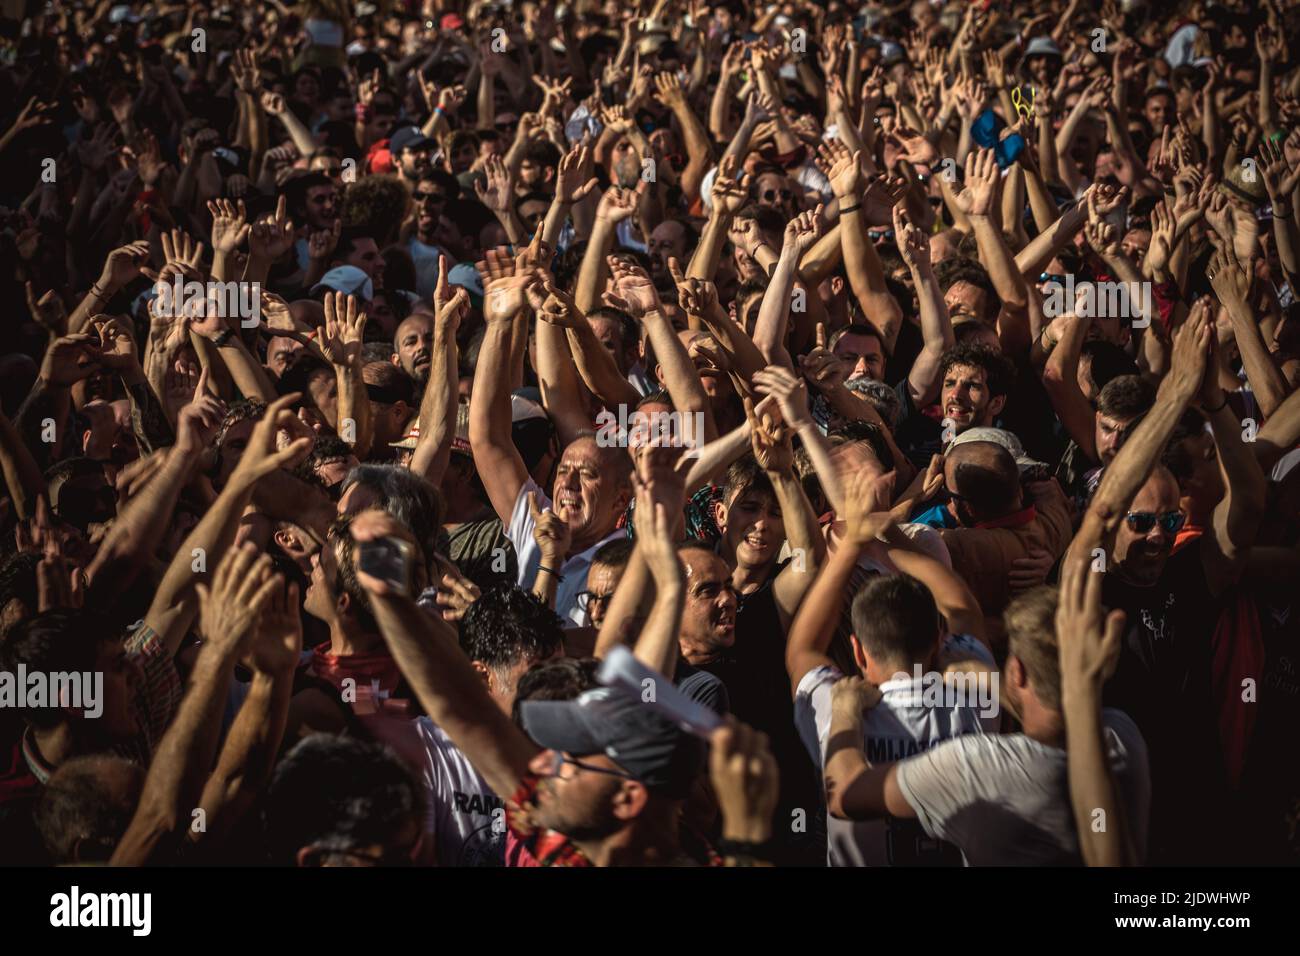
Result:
844,209
222,337
551,571
1276,216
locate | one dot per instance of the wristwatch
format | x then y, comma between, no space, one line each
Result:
222,337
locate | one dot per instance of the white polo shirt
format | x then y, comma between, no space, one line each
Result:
575,568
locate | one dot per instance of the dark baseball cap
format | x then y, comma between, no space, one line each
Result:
409,137
609,721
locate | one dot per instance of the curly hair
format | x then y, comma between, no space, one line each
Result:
377,206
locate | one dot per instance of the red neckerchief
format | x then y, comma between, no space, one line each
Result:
1017,520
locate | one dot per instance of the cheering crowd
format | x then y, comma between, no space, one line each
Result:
905,394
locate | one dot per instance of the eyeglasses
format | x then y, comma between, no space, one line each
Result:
430,198
1143,521
559,760
876,235
769,195
589,599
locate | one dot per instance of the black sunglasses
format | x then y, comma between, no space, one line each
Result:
771,194
430,197
1143,521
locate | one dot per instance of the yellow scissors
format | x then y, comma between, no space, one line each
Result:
1024,107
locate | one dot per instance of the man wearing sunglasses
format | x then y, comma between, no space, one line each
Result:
1173,598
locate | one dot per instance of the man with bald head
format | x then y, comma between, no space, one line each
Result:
991,518
413,347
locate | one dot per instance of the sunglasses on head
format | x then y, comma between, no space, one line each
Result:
1143,521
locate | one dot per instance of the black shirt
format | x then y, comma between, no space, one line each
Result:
1162,681
753,671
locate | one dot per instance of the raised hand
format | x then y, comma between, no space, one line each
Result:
344,329
242,586
668,90
978,195
802,231
499,193
769,436
449,308
117,348
745,780
229,225
913,244
822,368
246,71
616,119
123,265
322,243
842,167
277,643
456,593
728,195
574,179
1230,281
633,286
505,293
696,296
790,392
619,203
1161,246
262,456
1281,175
270,240
48,311
551,532
198,422
866,507
70,359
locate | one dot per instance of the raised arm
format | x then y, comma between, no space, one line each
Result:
865,519
775,453
439,405
1236,519
866,274
936,326
174,603
770,329
446,685
1136,460
1089,641
243,583
497,460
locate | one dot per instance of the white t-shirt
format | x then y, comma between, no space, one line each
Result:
1005,800
900,726
464,817
574,570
